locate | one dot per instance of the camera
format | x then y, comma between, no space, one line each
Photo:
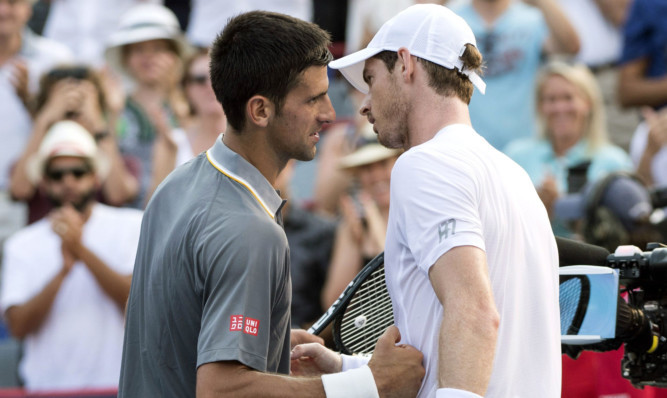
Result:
622,301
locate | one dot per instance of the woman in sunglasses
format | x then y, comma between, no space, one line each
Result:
205,122
75,93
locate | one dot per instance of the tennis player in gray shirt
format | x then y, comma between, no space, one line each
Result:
209,308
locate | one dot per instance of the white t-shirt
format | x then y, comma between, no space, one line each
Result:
80,342
456,190
659,162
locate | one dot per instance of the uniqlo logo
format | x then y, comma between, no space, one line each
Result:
236,323
251,326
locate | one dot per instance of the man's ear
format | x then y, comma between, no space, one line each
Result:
260,110
406,63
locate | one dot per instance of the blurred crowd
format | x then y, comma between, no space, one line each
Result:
101,100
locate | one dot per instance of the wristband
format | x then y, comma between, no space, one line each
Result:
354,361
454,393
355,383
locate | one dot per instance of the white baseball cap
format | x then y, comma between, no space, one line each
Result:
66,138
429,31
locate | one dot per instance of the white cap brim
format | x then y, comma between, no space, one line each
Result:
352,67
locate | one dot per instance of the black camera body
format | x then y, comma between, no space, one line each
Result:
642,326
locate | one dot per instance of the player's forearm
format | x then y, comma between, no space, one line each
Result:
230,379
467,344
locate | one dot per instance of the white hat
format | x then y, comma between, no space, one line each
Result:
368,150
429,31
66,138
143,22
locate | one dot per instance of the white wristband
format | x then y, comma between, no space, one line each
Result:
355,383
354,361
454,393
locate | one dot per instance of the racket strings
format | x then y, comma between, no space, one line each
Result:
367,315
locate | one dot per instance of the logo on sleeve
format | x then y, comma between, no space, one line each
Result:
236,323
251,326
445,228
247,325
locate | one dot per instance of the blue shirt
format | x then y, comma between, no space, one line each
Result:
511,49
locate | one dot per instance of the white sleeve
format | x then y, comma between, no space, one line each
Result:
354,361
436,199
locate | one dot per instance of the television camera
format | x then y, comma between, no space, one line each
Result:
620,298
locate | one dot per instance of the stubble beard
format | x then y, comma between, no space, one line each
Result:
397,111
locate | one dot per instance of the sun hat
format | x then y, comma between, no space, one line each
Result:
66,138
368,150
429,31
140,23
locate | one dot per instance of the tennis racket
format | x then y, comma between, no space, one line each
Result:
361,313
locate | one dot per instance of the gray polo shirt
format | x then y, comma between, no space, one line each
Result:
211,280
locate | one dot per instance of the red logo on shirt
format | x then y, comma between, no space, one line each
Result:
251,326
236,323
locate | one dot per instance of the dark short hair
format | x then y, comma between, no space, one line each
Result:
263,53
66,71
447,82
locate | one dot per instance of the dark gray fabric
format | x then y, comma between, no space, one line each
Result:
210,252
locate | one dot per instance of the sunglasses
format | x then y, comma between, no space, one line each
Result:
58,174
75,72
198,79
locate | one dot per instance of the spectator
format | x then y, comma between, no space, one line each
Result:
310,238
66,299
643,80
24,56
84,25
207,118
202,126
361,232
572,131
648,147
643,73
147,48
513,36
613,211
331,181
599,26
76,93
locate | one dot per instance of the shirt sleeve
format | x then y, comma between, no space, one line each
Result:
436,199
246,277
16,286
636,33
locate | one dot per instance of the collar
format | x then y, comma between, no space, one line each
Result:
234,166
